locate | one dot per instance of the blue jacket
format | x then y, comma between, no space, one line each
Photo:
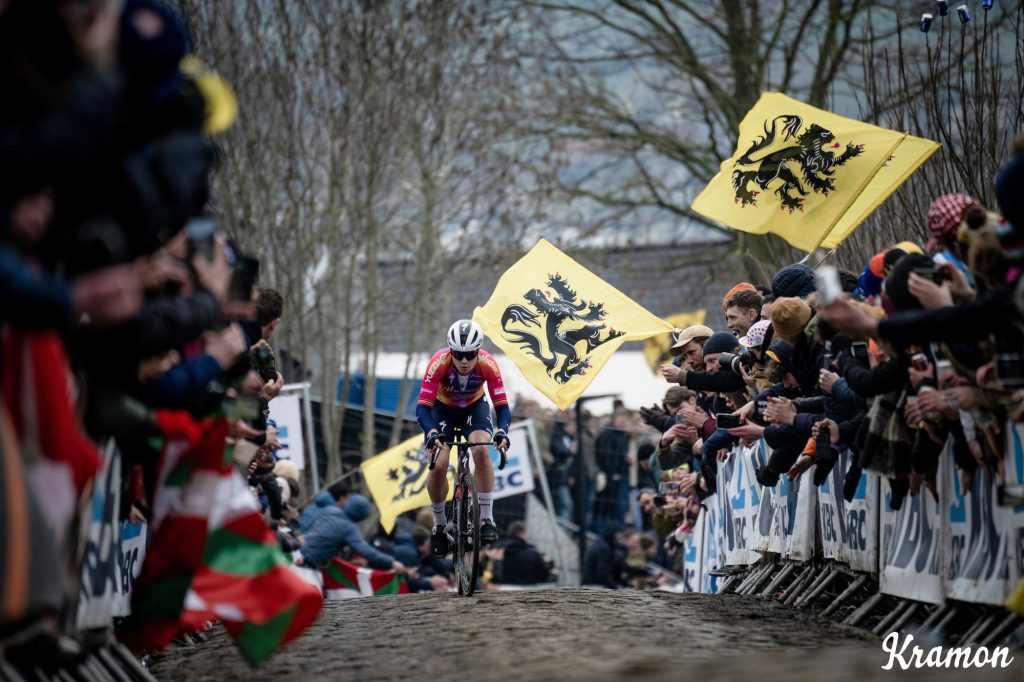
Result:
333,529
320,502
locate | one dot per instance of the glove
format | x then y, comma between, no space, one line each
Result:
433,440
499,438
656,417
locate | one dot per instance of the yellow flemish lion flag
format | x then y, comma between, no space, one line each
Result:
656,348
911,153
397,479
798,170
559,323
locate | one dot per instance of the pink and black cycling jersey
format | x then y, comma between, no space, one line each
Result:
441,383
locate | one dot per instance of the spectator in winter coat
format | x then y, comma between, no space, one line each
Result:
522,563
335,528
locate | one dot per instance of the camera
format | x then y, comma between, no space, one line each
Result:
659,501
732,362
727,420
264,363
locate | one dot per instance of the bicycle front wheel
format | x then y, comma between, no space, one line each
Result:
467,541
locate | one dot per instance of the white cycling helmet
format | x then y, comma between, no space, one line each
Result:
465,335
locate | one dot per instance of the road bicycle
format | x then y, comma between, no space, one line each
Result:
465,511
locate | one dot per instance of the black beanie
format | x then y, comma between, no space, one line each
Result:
793,280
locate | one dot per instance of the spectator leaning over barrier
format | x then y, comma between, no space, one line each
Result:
742,309
334,529
688,348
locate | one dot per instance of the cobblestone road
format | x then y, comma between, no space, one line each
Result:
560,634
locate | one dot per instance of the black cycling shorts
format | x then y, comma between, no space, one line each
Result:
476,417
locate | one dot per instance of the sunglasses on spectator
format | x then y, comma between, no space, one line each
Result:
467,355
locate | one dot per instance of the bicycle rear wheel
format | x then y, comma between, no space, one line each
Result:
467,541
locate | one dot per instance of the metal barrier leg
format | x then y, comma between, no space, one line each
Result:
907,615
797,584
864,609
813,594
974,634
9,672
747,579
846,594
1004,628
932,618
132,665
953,610
892,617
112,666
777,580
757,578
811,586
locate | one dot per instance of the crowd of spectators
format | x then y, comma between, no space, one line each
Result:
123,296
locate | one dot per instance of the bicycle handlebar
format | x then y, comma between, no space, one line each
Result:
437,451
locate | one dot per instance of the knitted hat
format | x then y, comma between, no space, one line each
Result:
755,335
944,216
739,287
720,342
897,292
793,280
790,316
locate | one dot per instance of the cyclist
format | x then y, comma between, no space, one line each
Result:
453,396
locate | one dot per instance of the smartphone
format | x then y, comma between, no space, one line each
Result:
826,281
859,350
934,275
727,420
243,278
201,232
659,500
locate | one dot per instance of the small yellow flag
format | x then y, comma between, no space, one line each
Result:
798,170
906,159
397,479
560,323
656,348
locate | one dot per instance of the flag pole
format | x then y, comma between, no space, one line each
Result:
579,471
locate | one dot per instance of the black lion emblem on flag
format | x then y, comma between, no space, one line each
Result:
815,165
563,314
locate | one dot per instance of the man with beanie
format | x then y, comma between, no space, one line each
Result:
793,280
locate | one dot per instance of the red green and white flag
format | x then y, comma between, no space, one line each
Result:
343,580
212,556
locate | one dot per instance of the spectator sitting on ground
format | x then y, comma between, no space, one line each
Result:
434,571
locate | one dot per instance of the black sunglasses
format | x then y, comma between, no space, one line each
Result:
460,355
